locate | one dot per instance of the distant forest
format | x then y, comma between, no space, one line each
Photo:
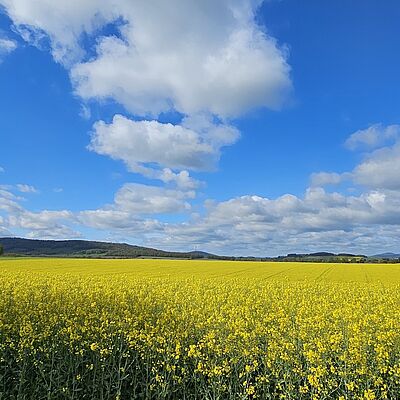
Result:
18,247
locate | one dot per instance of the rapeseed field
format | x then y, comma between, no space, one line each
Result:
167,329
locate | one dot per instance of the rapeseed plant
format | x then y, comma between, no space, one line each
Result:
156,329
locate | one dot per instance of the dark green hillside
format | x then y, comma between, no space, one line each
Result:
85,248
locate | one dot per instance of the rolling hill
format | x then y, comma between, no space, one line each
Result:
86,248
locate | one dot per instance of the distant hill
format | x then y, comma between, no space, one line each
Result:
389,256
93,249
86,248
323,256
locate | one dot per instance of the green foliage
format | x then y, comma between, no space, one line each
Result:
89,249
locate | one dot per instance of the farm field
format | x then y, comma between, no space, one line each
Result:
174,329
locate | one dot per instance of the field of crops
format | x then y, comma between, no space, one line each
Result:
167,329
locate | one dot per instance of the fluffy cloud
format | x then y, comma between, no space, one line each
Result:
143,143
319,220
62,22
143,199
121,222
181,67
207,60
380,169
131,203
317,210
372,137
126,216
210,56
44,224
242,225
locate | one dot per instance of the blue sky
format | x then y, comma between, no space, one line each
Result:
237,127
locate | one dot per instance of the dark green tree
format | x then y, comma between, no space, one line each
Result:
1,250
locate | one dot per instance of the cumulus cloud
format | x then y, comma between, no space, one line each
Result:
247,224
210,56
144,199
380,169
44,224
143,144
318,220
181,67
113,220
59,21
372,137
132,203
208,61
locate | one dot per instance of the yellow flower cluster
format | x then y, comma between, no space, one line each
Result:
168,329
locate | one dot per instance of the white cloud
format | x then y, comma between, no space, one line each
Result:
144,144
372,137
181,179
9,202
26,188
207,60
380,169
7,46
63,22
210,62
192,57
44,224
140,142
37,220
2,169
318,220
243,225
119,221
144,199
131,203
325,178
180,67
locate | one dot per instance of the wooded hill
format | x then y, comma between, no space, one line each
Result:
86,248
